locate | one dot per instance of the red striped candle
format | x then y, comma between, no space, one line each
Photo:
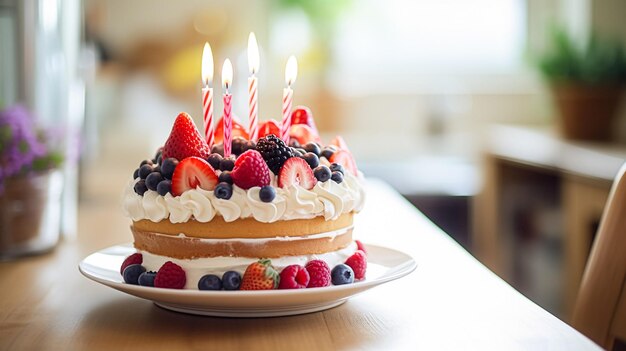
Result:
207,93
291,72
253,64
227,79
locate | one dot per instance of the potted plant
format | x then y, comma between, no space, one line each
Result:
30,186
586,82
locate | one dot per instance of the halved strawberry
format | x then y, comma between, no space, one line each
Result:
191,173
303,115
296,171
185,140
344,158
250,170
268,127
238,130
303,134
339,142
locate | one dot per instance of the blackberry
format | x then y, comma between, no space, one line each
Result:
274,152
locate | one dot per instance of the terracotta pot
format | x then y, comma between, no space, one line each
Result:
587,112
30,214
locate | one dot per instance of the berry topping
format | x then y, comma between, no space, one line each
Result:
345,159
135,258
170,276
238,130
322,173
303,134
360,246
136,174
210,282
313,147
227,164
153,179
358,263
158,157
303,115
225,177
297,152
294,143
267,193
218,149
335,167
191,173
147,278
231,280
328,152
339,143
274,152
311,159
214,160
296,172
294,277
168,167
342,274
250,170
268,127
260,275
164,187
319,273
146,162
238,145
185,140
140,187
224,191
132,272
145,170
337,177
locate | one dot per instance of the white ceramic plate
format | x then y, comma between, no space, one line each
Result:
383,265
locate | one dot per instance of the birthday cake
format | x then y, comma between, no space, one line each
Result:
270,215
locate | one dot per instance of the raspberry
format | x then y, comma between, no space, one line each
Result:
294,277
170,276
358,263
250,170
319,273
274,152
360,246
135,258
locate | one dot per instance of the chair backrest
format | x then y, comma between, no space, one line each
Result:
600,310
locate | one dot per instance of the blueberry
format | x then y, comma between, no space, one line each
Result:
218,149
140,187
157,157
267,193
336,167
250,145
147,278
238,145
231,280
214,160
294,143
322,173
313,147
327,153
227,164
146,162
164,187
145,170
156,168
223,191
210,282
337,177
136,174
131,273
225,177
168,167
297,152
342,274
311,159
153,179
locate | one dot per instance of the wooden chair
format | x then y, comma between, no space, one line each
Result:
600,310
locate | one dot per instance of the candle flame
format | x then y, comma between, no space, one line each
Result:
227,74
253,54
291,70
207,65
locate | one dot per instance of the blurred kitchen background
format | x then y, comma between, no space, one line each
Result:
444,100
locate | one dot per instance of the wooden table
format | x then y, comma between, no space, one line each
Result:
450,302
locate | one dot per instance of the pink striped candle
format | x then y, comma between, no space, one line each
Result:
207,93
227,79
253,64
291,72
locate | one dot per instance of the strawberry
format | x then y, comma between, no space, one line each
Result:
185,140
239,130
170,276
260,275
319,273
358,263
191,173
294,277
360,246
303,115
268,127
344,158
250,170
339,142
135,258
304,134
296,171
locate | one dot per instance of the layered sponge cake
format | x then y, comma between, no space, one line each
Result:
270,215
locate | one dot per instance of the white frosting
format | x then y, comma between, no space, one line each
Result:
327,199
196,268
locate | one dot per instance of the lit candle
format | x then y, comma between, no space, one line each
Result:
207,93
227,81
291,72
253,108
